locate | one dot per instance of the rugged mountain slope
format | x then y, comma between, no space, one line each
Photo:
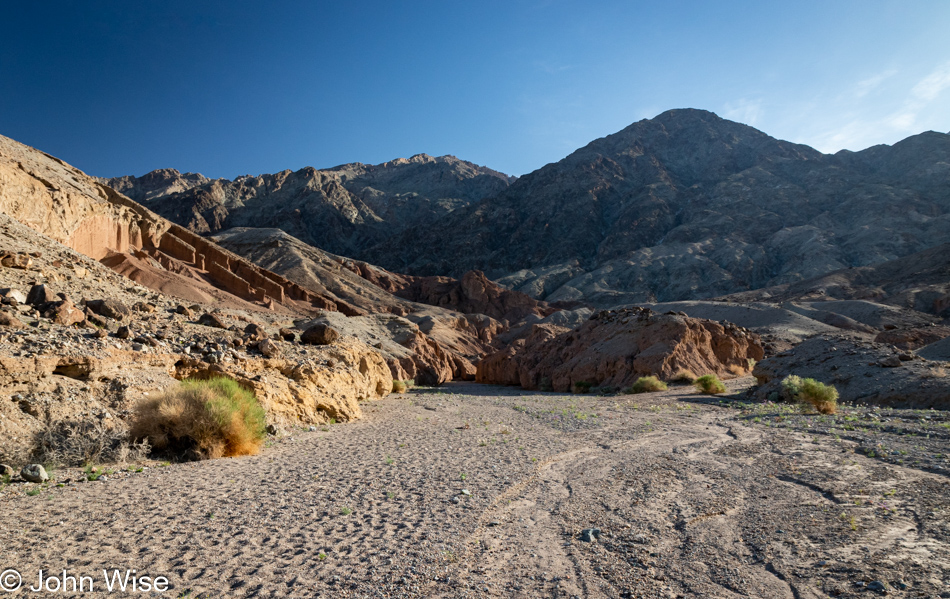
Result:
920,281
343,210
689,205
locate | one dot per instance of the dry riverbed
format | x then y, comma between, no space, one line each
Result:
480,491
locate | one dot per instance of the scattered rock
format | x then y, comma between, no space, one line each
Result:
272,429
180,309
320,334
6,470
13,294
146,307
34,473
124,333
287,335
65,313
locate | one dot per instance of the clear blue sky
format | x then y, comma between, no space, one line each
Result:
227,88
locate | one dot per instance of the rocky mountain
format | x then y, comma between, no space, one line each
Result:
690,205
342,210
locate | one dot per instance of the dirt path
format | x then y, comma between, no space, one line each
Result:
476,491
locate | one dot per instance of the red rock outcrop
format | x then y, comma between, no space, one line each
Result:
616,347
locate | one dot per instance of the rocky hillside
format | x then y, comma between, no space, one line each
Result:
689,205
343,210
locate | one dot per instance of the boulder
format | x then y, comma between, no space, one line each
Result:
255,332
186,312
110,308
21,260
34,473
320,334
269,348
8,320
40,294
211,320
13,294
287,335
65,313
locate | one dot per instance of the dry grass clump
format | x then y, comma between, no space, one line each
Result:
710,383
683,376
202,419
68,443
400,386
646,384
810,393
736,370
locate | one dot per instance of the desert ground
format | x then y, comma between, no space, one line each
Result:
470,490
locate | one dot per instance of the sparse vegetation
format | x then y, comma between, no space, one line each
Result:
810,394
401,386
202,419
646,384
710,383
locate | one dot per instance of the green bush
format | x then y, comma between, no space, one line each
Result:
202,419
710,383
791,387
810,393
647,384
400,386
582,387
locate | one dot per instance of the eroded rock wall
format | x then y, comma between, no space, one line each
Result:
616,347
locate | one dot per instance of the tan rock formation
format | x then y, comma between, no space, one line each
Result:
615,348
311,392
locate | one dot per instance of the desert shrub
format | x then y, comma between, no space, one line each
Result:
710,383
582,387
68,443
683,376
202,419
822,397
646,384
810,394
736,370
791,387
400,386
545,384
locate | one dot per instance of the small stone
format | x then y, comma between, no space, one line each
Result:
124,333
269,348
287,335
272,429
878,586
13,294
589,535
6,470
466,492
34,473
180,309
138,347
456,499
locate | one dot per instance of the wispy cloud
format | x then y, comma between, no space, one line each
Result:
920,97
744,110
868,85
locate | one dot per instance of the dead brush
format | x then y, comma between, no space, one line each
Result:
76,443
683,376
202,419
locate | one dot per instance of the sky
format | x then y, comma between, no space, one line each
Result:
228,88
